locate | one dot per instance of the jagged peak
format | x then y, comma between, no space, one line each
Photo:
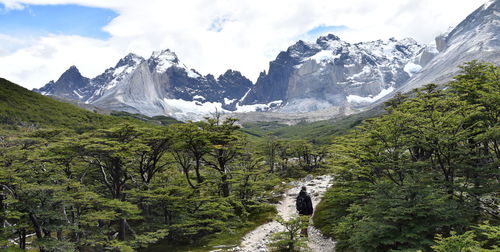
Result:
231,72
329,37
408,40
165,54
330,42
300,45
71,77
72,70
130,59
132,56
164,59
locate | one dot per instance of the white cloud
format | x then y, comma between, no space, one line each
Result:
248,35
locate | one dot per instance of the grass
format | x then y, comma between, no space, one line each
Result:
19,106
22,108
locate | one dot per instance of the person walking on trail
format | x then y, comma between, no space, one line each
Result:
304,206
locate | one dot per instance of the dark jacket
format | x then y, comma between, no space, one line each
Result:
306,207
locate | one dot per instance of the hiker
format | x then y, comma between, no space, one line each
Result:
304,206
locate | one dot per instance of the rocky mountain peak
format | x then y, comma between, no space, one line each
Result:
72,75
326,40
162,60
67,86
326,74
72,70
301,49
486,17
130,60
231,74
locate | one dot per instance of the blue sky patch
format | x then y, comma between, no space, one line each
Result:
325,29
37,20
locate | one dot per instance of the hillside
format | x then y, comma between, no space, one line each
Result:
19,106
319,132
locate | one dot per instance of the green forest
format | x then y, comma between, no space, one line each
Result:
422,175
425,170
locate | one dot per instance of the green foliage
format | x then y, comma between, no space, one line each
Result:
19,106
291,239
123,185
428,167
78,180
161,120
489,235
469,241
459,243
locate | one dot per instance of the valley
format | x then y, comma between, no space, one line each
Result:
397,143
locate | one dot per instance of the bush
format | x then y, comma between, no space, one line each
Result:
290,240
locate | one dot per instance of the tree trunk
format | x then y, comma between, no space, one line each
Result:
121,229
186,173
22,238
36,226
197,170
38,229
225,186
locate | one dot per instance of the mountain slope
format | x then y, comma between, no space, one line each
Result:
309,81
477,37
19,106
332,72
71,85
159,85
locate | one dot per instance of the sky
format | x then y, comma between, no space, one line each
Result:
40,39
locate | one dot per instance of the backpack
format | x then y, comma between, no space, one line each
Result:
302,204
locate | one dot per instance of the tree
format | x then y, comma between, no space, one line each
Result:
427,167
226,143
191,144
290,239
459,243
271,151
112,152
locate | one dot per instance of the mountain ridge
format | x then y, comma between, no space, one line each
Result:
328,77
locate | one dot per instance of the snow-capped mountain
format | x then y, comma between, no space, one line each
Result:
306,77
477,37
159,85
112,76
321,79
332,72
72,85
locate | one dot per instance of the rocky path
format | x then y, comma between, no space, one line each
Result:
257,240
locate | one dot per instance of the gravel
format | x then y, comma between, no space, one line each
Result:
257,240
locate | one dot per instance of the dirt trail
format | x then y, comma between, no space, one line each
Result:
256,240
